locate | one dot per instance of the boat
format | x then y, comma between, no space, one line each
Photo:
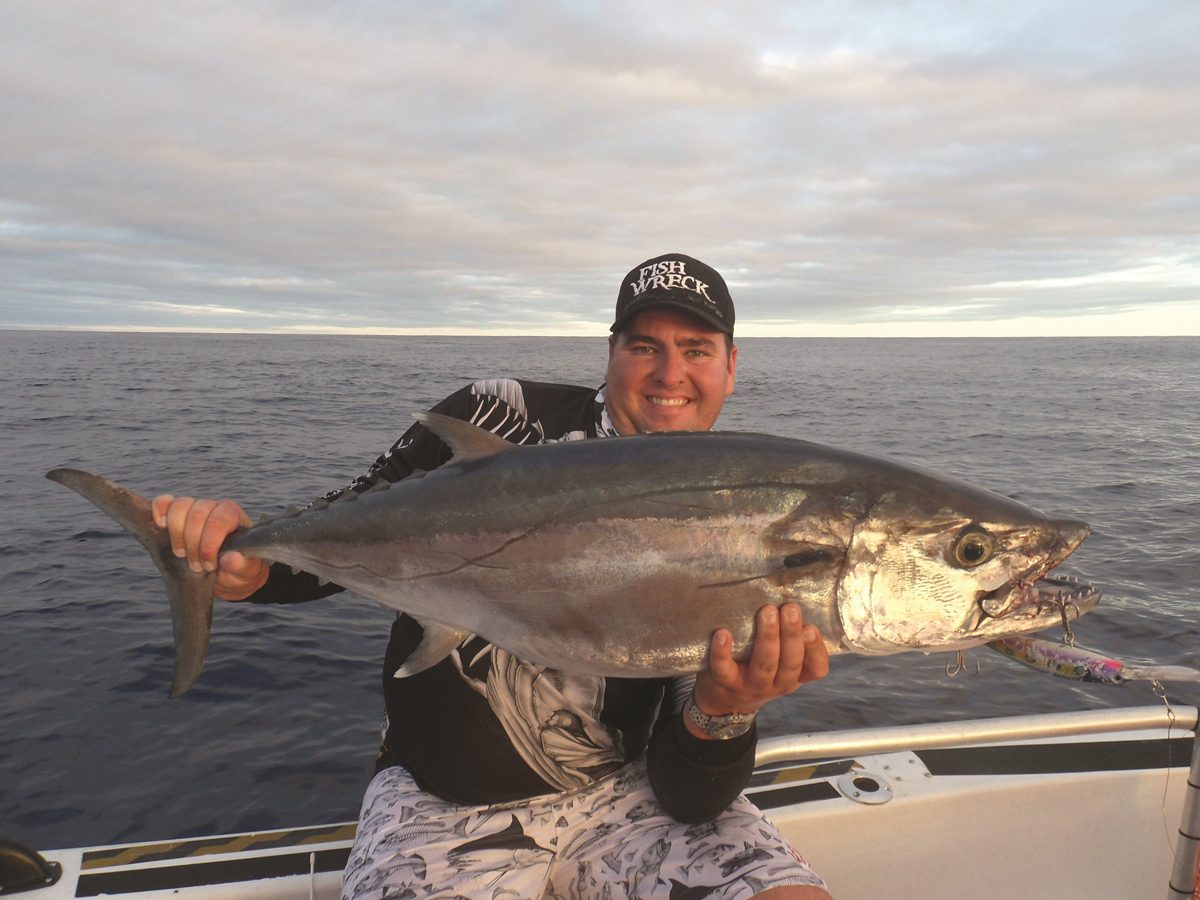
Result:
1094,804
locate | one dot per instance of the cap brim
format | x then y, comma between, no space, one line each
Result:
653,302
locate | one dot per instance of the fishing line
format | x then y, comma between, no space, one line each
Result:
1160,691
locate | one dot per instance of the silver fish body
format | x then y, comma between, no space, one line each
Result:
622,556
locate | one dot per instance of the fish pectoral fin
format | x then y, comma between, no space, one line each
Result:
807,560
803,561
465,440
435,646
809,557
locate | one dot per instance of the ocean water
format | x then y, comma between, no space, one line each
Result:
282,726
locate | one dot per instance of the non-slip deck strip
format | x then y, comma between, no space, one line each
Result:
196,847
1047,759
206,874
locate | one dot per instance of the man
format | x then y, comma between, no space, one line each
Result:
502,778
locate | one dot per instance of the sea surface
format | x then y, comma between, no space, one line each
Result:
282,726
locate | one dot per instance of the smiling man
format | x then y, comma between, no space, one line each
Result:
500,776
671,359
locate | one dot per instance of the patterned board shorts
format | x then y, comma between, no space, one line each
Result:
610,839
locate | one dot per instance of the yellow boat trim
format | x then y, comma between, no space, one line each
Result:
110,857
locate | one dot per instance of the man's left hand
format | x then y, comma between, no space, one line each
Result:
786,654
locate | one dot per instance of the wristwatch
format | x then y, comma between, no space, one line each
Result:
722,728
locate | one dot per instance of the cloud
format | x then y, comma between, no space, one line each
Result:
477,166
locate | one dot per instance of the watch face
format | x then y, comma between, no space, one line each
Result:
729,729
720,727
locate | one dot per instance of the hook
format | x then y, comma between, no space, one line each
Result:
960,664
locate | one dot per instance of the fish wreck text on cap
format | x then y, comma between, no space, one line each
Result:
680,281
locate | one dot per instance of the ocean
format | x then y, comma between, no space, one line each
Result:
282,727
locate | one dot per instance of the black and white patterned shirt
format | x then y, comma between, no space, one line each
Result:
484,727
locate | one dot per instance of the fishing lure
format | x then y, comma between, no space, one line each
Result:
1080,664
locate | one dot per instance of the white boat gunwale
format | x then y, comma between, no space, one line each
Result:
798,779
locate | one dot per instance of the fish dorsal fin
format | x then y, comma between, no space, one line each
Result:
466,441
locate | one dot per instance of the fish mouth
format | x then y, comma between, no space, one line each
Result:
1036,597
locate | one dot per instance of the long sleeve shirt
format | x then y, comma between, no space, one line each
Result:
483,726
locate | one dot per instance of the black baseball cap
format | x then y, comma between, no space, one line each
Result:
674,279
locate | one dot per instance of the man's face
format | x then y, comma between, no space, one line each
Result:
667,371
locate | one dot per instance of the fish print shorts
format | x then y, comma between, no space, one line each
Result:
610,839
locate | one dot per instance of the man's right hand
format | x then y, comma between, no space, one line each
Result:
197,529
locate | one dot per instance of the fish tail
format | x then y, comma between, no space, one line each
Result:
191,594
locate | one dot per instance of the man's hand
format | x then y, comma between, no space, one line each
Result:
197,529
786,654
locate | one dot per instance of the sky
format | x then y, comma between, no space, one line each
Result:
926,168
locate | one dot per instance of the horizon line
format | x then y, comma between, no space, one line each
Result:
836,332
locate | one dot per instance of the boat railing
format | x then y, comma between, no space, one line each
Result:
1185,874
890,739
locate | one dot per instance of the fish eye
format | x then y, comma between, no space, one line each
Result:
973,548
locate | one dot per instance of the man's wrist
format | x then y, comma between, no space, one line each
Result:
715,727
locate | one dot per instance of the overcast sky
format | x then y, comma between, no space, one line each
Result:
939,167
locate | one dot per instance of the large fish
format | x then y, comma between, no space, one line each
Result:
621,556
